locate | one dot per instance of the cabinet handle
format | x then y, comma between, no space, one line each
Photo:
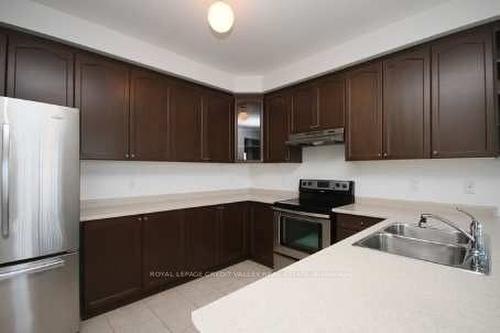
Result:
145,218
127,156
132,155
435,152
379,155
139,219
362,223
385,155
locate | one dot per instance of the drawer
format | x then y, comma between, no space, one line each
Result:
354,222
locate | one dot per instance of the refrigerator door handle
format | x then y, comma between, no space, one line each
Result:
29,268
5,179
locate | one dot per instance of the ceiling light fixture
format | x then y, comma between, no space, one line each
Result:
220,17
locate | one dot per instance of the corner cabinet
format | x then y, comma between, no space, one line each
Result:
463,116
364,112
102,95
277,128
39,70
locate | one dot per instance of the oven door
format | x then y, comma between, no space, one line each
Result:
299,234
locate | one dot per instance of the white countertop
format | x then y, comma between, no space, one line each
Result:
345,288
107,208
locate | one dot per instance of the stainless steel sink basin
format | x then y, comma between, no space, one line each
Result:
441,253
450,248
428,234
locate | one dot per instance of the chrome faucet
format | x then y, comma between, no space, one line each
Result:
478,254
473,226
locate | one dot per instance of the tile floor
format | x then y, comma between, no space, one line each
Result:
170,311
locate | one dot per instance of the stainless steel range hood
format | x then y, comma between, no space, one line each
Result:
317,138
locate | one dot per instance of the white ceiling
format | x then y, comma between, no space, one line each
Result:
268,34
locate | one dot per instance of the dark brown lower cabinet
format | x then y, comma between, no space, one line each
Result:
261,233
233,233
112,265
347,225
126,258
164,251
202,238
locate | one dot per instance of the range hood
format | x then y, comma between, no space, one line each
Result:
317,138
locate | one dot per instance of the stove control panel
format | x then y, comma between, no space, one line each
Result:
331,185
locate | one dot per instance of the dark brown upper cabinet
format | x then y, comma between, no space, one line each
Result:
406,105
463,119
185,122
331,101
364,112
149,93
217,127
112,264
277,127
305,109
202,238
164,248
233,232
39,70
102,95
3,61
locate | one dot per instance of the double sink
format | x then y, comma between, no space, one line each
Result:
450,248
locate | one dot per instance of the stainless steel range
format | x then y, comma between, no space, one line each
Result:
302,226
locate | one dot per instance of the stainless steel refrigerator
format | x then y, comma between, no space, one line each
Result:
39,212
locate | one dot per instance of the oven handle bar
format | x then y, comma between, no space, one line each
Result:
299,213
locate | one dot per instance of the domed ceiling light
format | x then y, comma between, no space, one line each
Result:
220,17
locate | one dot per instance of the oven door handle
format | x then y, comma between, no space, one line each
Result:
299,213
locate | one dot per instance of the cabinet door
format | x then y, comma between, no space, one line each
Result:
232,232
185,123
407,105
102,95
164,252
364,113
331,102
39,70
277,111
202,238
148,116
111,255
217,127
305,110
261,233
3,61
463,117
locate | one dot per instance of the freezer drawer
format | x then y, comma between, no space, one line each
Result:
41,296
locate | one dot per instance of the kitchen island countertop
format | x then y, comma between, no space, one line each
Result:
345,288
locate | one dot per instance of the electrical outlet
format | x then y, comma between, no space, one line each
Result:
469,187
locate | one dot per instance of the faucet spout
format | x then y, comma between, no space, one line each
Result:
423,223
